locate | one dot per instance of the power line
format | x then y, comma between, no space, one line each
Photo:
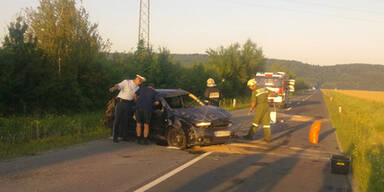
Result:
304,11
317,4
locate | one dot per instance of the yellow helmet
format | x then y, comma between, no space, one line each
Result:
211,82
251,82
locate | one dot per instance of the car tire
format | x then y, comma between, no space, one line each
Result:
176,138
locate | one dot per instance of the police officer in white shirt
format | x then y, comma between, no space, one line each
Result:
124,105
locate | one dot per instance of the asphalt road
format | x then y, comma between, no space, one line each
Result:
289,163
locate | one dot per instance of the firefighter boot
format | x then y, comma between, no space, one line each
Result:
251,132
267,133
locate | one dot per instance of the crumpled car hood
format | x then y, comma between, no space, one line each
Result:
212,114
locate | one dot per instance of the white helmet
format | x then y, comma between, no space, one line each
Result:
211,82
251,82
140,77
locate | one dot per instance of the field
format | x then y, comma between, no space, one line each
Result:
20,136
358,117
375,96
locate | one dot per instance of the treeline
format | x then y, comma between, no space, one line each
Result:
230,66
53,60
295,71
343,76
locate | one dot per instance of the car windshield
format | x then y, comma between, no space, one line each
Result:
174,102
183,101
269,82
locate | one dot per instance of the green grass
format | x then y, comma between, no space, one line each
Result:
20,136
244,102
360,129
241,103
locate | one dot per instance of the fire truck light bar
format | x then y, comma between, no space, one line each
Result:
268,74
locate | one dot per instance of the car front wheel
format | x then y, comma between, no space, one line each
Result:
176,138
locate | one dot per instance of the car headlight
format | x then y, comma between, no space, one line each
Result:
202,124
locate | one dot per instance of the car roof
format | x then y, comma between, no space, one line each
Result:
171,92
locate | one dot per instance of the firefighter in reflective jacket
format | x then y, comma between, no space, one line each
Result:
212,93
261,106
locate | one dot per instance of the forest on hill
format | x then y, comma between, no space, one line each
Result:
342,76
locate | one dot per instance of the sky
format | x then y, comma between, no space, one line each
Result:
320,32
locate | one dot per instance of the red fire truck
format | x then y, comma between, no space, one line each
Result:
278,84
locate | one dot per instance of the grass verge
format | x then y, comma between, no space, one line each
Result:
20,136
244,102
359,125
240,103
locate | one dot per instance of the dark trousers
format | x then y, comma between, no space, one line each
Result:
123,117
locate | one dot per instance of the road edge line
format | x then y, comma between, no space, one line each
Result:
171,173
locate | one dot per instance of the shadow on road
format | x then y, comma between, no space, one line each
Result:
334,182
304,103
244,174
289,131
325,134
61,155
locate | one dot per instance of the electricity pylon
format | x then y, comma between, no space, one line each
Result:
144,21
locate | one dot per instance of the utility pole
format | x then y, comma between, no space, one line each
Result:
144,21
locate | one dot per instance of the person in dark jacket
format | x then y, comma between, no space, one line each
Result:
145,98
212,93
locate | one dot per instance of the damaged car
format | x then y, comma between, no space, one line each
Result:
182,120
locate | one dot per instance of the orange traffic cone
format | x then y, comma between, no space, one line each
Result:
314,132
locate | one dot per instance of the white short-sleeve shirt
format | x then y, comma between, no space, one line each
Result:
127,89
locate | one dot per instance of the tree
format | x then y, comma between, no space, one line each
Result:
66,35
253,58
236,64
275,67
301,85
74,49
23,71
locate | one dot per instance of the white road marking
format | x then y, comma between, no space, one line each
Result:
172,147
170,174
308,97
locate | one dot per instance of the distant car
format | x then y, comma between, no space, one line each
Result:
182,120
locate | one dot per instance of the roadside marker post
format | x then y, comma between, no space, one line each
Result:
234,103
